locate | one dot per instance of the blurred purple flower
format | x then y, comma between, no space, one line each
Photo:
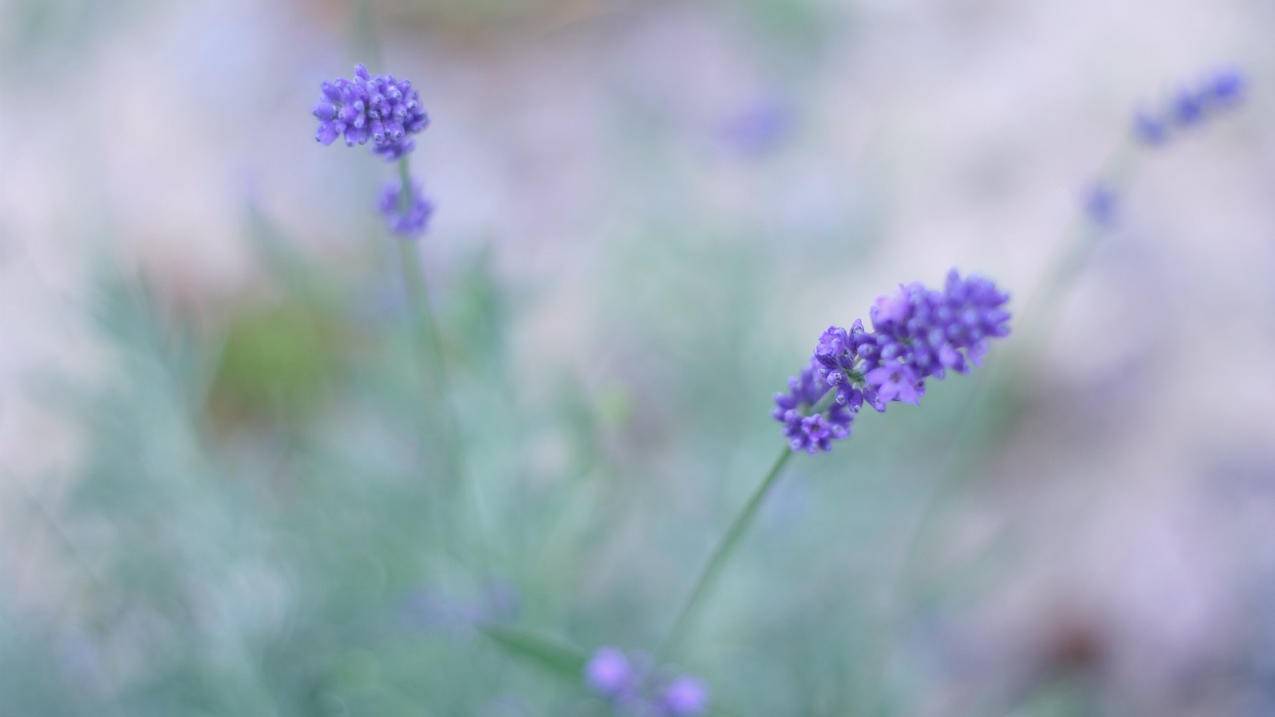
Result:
406,221
684,697
1225,87
381,109
1187,108
609,673
1222,90
430,608
632,686
1148,129
917,333
816,432
1101,204
759,128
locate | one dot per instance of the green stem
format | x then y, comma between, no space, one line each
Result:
720,555
434,355
426,326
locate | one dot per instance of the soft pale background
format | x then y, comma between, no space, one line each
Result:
1137,491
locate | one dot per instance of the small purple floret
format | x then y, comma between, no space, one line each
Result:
635,686
1187,108
1101,205
1225,88
1149,129
406,221
684,697
917,333
609,672
379,109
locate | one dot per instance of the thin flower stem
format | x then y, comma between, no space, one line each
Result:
426,327
434,356
720,555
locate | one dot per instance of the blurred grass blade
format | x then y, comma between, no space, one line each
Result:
561,659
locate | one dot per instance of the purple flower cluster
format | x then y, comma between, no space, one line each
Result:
627,684
381,108
917,333
409,220
816,431
1188,107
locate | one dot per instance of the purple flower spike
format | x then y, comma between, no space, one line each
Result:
407,221
609,673
1222,90
378,108
917,333
684,697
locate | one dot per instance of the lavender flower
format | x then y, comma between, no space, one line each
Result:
633,686
815,432
406,221
684,697
381,108
1188,107
609,673
917,333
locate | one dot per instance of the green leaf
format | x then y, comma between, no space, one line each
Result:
564,660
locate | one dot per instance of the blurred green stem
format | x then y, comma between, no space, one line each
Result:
426,327
433,351
720,555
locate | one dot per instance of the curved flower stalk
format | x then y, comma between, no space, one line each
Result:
917,334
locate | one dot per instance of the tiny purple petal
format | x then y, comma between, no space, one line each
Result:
327,133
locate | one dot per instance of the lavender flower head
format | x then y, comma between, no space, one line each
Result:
917,333
381,109
406,221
